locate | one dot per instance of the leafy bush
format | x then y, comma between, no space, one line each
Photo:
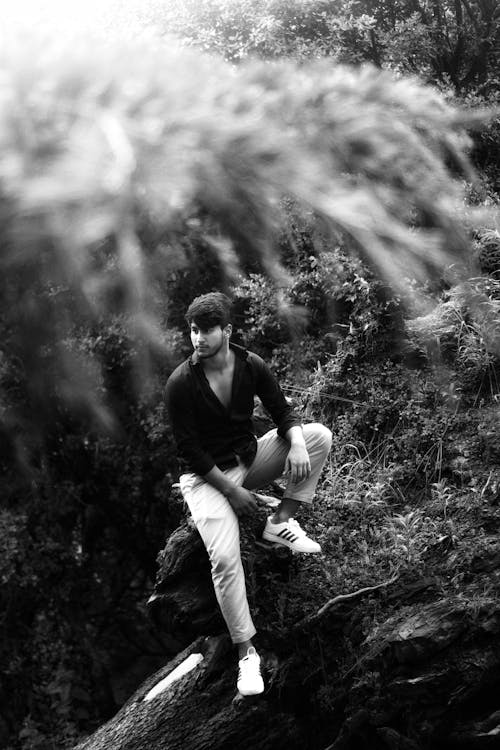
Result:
451,43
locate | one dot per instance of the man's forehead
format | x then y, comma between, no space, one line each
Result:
204,326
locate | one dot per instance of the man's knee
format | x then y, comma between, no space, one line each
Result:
321,435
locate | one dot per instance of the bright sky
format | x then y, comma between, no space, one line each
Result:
62,13
52,8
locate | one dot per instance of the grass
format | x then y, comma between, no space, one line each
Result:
370,530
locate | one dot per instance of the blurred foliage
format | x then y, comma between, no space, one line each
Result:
112,160
133,177
454,44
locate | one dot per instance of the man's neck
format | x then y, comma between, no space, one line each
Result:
220,361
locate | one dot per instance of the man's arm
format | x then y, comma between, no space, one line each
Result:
268,390
289,427
241,500
297,464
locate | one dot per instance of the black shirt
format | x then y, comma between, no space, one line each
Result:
208,434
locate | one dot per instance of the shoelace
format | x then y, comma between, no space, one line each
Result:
245,666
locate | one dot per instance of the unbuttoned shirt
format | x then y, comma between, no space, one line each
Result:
206,432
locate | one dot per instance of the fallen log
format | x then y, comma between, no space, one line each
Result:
423,670
424,676
197,711
183,602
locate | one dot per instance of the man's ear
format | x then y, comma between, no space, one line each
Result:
228,330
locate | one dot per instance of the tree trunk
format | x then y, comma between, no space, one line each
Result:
426,678
199,711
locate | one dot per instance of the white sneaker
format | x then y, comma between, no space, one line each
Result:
250,680
290,534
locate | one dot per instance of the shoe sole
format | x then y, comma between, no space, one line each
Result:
247,700
283,543
250,695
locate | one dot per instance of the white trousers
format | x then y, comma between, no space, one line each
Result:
218,524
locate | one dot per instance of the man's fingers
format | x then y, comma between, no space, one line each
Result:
301,473
298,472
250,506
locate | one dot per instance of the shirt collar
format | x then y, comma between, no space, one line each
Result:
240,352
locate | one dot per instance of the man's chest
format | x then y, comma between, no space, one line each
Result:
225,395
222,385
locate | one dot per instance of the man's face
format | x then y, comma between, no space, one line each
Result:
207,342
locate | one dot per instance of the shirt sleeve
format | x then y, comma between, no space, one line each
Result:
180,408
272,397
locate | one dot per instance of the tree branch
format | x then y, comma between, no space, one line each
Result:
312,619
375,49
471,15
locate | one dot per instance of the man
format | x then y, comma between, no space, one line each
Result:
210,399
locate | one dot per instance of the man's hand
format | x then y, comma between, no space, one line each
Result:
242,501
297,463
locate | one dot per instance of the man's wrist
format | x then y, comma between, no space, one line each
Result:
296,436
228,491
